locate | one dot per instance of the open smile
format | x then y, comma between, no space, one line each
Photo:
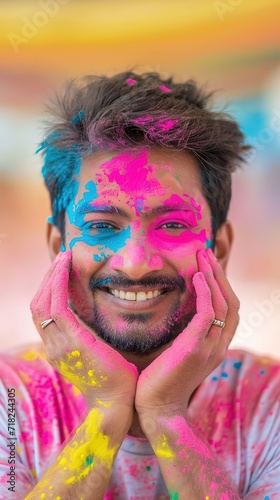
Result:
135,299
138,296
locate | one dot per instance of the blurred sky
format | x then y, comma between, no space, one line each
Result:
232,45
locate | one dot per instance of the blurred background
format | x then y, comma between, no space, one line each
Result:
233,45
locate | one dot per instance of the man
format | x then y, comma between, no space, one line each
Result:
134,394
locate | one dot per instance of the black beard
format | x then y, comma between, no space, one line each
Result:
138,339
139,336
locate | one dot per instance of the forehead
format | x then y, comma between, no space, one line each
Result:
145,174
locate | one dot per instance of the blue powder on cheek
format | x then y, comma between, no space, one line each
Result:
96,258
109,243
77,217
208,243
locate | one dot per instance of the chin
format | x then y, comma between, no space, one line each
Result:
137,334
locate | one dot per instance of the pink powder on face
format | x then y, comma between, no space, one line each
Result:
136,253
175,199
136,225
164,88
130,81
155,262
116,261
172,243
132,173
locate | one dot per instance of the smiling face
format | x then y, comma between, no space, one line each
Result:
134,228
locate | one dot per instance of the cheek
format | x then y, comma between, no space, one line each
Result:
83,267
181,251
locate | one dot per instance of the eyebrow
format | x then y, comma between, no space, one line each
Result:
112,209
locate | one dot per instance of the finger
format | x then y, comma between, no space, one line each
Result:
200,323
191,339
232,301
64,318
47,276
40,304
218,301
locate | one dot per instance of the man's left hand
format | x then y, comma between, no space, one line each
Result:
165,387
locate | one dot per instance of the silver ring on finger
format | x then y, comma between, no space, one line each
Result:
219,323
46,322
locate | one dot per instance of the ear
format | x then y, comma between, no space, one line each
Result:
54,240
224,239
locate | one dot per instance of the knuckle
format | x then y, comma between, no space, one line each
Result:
210,315
55,316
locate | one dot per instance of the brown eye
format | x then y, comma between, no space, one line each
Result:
173,225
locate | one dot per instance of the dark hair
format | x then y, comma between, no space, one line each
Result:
128,110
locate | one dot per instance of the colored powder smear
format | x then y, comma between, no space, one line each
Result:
68,369
107,240
163,449
81,455
78,117
62,165
164,88
237,365
173,495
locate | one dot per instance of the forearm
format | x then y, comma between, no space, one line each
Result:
83,468
188,466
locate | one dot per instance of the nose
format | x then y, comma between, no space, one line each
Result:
136,260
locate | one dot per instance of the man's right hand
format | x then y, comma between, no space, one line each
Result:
103,376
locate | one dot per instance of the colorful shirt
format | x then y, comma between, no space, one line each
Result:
237,409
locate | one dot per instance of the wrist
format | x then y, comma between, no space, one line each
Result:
115,420
157,421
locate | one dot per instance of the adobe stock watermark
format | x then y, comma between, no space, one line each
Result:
257,316
31,26
265,136
225,7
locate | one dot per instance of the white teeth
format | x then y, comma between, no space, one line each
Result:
141,296
138,296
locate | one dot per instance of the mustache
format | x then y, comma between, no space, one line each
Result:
162,281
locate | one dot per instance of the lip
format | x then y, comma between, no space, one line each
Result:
134,305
